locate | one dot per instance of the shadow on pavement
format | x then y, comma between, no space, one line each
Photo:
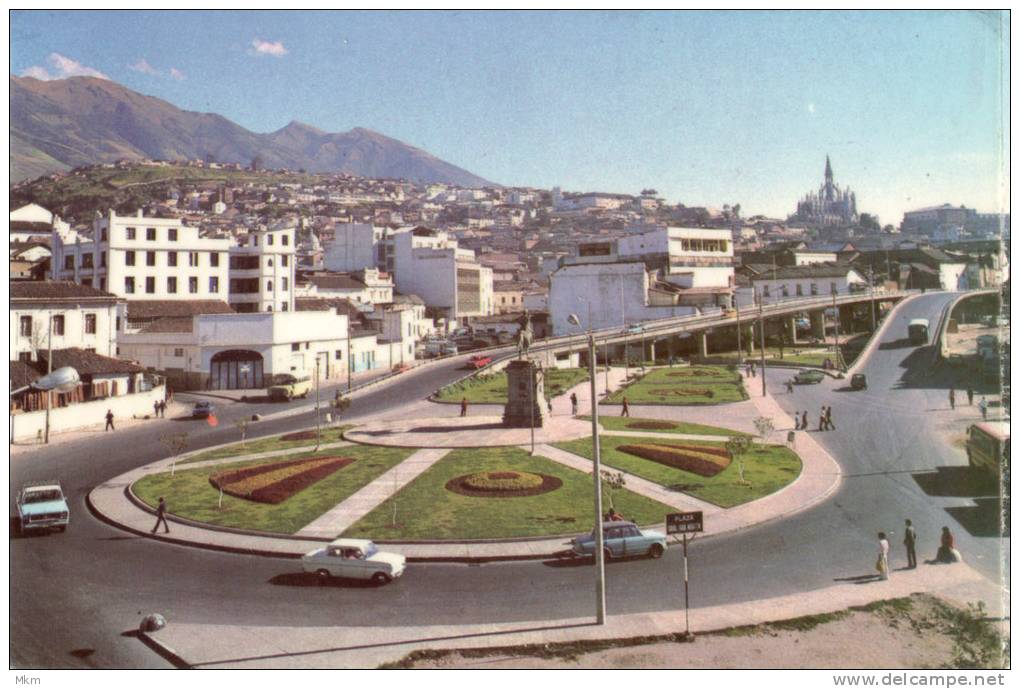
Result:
308,579
860,579
957,481
981,519
896,344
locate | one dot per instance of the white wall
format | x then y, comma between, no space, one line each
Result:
950,276
353,248
86,414
103,340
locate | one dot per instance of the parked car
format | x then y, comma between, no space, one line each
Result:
41,506
479,361
858,381
622,539
288,387
635,329
202,410
808,377
354,558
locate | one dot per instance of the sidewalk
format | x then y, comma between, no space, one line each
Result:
252,647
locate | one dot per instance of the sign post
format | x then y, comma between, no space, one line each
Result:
685,523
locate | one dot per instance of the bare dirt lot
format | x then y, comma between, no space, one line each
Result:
916,632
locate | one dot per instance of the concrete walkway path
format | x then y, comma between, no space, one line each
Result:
679,501
340,518
183,465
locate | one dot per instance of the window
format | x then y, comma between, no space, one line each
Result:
87,282
786,291
102,260
102,282
150,234
90,324
214,259
25,356
269,263
102,235
214,284
269,285
150,258
800,290
25,326
178,352
150,285
68,262
295,346
338,354
193,285
269,240
284,306
118,323
193,259
58,325
171,285
129,258
171,234
129,233
765,290
171,259
86,261
832,287
285,240
814,289
286,260
284,284
129,285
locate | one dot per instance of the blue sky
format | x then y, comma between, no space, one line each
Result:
707,108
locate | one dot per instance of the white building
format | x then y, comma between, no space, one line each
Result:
368,286
687,256
81,317
142,258
812,280
262,271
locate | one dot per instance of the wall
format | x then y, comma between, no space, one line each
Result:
354,248
86,414
103,340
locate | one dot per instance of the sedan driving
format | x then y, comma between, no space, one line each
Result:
354,558
622,539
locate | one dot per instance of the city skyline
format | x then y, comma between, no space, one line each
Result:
593,101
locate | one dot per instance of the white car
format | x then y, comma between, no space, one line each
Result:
354,558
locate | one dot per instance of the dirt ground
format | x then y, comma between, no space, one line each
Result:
919,632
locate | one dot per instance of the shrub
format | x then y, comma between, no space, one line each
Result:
700,460
502,480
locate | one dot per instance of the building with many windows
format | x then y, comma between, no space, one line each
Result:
73,315
262,271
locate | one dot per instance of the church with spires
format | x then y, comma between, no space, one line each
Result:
828,206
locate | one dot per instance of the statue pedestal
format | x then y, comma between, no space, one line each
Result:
525,390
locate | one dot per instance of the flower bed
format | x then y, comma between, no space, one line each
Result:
682,392
700,373
276,482
698,459
652,425
503,484
300,435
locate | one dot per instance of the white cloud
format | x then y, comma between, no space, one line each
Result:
63,67
274,48
177,75
811,108
144,67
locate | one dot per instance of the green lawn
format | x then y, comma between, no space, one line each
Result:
684,386
768,468
616,423
329,435
800,355
491,388
426,510
189,493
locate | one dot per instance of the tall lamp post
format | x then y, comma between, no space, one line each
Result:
600,557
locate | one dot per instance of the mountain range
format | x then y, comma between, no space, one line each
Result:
65,123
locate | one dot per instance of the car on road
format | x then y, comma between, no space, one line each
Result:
288,387
479,361
808,377
41,506
858,381
634,329
621,539
354,558
202,410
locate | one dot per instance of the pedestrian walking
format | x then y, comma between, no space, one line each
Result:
952,398
983,406
796,421
804,421
161,516
882,565
109,420
829,425
155,409
910,542
821,420
626,408
789,387
463,406
162,409
573,404
548,402
970,396
754,370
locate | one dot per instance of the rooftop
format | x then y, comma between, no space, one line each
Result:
50,289
159,308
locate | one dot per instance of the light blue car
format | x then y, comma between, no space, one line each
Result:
622,539
42,507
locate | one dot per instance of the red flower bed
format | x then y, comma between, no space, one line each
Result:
652,425
243,483
300,435
700,460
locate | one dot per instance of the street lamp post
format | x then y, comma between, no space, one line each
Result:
49,370
761,328
600,557
318,414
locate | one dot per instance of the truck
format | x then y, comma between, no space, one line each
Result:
988,447
917,331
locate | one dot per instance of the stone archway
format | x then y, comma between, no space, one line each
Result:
236,369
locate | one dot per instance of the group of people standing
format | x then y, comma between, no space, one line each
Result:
947,551
750,370
982,405
824,420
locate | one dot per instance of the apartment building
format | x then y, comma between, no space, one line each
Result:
139,258
73,315
261,271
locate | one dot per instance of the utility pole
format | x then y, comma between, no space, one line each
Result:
600,556
49,369
350,363
835,310
740,351
318,433
871,291
761,328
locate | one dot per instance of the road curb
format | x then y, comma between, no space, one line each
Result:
161,649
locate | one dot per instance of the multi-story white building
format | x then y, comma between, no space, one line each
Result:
368,286
687,256
262,271
76,315
142,258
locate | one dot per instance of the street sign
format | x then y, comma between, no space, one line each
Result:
684,522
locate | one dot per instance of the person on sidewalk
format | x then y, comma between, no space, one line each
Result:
614,516
910,541
789,387
109,420
548,402
626,408
829,425
155,409
463,406
821,419
573,404
952,398
161,516
983,406
882,565
162,409
947,551
804,421
970,396
796,421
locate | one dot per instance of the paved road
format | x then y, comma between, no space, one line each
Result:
885,436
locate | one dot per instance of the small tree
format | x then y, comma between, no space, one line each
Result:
738,446
176,443
765,427
242,426
612,481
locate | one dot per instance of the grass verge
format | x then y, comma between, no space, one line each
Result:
617,423
491,388
189,493
251,447
767,468
684,386
424,509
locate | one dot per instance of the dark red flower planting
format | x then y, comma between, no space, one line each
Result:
234,482
457,485
300,435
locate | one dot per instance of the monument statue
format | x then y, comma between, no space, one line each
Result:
525,335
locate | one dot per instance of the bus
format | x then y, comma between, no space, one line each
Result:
988,447
917,330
